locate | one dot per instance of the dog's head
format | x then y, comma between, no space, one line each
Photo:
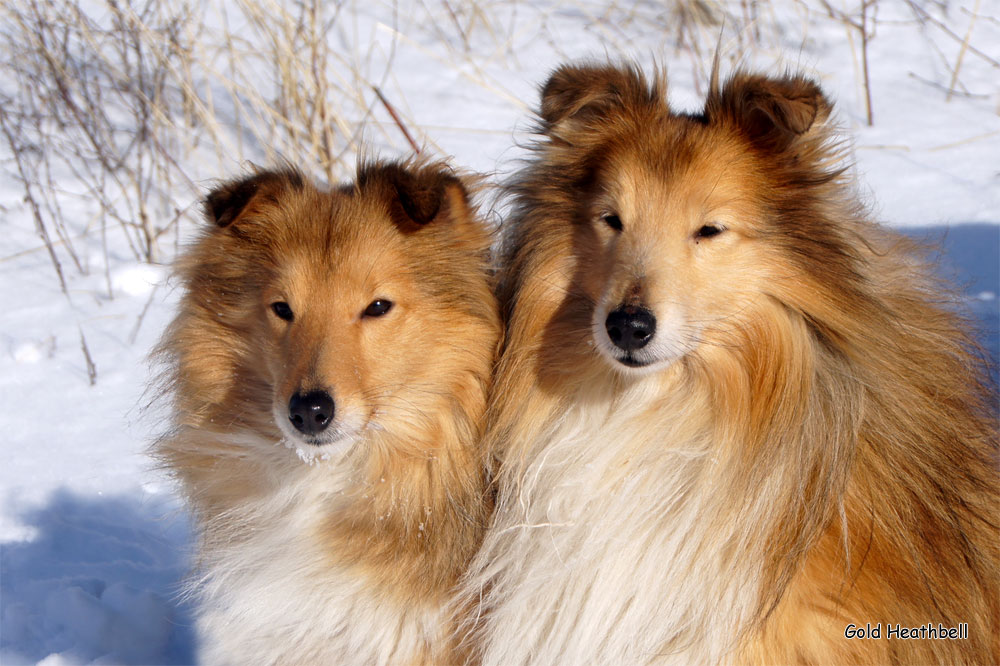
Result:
677,226
320,316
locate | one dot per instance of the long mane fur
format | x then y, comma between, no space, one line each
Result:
834,461
345,560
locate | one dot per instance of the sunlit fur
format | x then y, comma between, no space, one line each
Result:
809,444
347,559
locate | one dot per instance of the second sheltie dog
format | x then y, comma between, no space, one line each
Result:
354,329
733,418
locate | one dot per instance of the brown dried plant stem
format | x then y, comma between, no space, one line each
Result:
962,51
865,25
863,29
29,196
396,119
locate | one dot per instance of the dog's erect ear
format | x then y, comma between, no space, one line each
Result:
590,91
417,195
773,113
225,204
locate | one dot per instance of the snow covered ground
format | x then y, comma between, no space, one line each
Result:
94,542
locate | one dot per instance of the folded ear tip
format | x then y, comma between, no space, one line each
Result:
773,110
421,205
574,89
431,190
224,204
806,104
420,190
557,88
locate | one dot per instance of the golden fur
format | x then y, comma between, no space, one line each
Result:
346,559
810,444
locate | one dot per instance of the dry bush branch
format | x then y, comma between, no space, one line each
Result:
924,16
121,99
10,134
962,51
864,25
117,111
396,119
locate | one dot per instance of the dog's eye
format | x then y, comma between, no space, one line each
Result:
378,307
707,231
283,310
612,221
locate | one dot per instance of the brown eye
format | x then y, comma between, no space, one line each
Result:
283,310
612,221
378,307
708,231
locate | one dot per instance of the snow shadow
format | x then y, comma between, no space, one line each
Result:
969,257
98,581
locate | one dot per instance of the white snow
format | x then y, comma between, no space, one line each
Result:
93,540
137,280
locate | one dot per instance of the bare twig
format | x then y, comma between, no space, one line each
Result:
29,196
862,25
945,89
142,315
865,5
396,119
458,25
923,15
961,52
128,101
91,368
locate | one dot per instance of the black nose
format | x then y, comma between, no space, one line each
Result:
630,327
310,412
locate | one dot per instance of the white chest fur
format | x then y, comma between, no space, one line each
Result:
608,547
271,592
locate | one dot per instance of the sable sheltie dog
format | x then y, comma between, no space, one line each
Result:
354,329
732,416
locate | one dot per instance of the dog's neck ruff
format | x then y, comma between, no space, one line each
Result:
636,564
269,590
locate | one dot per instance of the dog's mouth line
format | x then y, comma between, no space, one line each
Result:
633,362
336,434
332,437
